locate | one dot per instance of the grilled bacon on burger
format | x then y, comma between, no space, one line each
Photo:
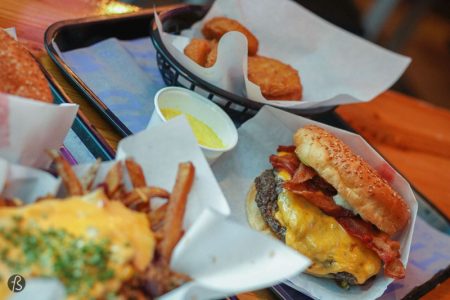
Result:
327,203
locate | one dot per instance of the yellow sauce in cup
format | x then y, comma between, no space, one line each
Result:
204,134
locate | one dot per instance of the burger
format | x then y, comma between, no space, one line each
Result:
330,205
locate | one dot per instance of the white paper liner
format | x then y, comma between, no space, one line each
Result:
259,137
28,128
222,257
335,67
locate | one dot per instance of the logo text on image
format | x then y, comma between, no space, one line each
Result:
16,283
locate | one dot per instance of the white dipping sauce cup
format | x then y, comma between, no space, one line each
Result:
203,110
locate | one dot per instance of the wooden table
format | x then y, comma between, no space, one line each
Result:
413,135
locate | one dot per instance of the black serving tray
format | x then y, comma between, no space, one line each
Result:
78,33
85,131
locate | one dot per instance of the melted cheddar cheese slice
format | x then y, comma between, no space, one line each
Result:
323,240
91,245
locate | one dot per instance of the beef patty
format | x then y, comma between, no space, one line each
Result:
267,190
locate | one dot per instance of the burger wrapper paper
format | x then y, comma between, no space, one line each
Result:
335,66
258,139
221,256
28,128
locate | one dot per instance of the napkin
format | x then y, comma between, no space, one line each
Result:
214,251
123,74
335,66
258,138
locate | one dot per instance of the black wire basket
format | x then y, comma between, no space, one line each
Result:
174,74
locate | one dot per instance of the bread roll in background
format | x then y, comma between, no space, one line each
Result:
20,74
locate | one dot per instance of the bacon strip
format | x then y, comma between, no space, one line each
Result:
303,173
290,149
288,162
379,242
317,198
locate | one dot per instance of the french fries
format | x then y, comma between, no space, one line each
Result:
172,229
88,179
144,194
168,227
114,181
165,221
136,173
70,179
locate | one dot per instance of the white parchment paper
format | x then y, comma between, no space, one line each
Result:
259,137
335,66
222,256
28,128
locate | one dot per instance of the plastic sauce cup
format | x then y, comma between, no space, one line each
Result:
203,110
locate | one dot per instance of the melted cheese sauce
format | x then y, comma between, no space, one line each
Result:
323,240
204,134
119,236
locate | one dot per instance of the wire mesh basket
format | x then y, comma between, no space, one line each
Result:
174,74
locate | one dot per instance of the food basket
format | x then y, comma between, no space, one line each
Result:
174,74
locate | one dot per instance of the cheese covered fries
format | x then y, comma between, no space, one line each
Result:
100,242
